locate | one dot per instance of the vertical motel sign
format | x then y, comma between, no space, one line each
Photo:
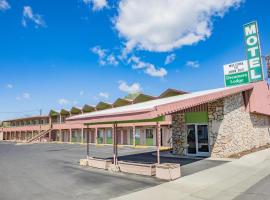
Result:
253,52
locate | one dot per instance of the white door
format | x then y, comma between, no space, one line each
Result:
197,140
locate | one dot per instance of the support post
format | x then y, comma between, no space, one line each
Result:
115,150
50,136
96,135
50,121
122,136
158,144
70,135
116,146
60,135
82,135
104,136
134,135
87,141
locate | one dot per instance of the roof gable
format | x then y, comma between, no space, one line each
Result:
54,112
121,102
88,108
171,92
143,98
75,110
103,105
64,112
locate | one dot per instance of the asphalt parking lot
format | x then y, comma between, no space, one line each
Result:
51,171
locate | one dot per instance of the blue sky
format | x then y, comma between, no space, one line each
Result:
58,54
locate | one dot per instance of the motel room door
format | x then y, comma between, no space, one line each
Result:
197,140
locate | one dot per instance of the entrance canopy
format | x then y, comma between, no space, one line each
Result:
151,110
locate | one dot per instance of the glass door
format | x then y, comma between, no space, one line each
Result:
202,140
197,140
191,139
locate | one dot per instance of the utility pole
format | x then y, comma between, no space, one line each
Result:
267,61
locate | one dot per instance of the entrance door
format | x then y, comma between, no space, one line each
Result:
125,137
197,140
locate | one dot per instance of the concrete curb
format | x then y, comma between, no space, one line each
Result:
226,181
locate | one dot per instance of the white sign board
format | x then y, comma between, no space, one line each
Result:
236,73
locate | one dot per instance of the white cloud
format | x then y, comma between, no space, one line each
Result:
24,96
132,88
97,4
28,15
101,53
9,86
4,5
194,64
112,60
149,68
81,92
63,101
104,95
103,57
163,25
170,58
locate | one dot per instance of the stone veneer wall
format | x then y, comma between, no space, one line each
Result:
179,135
232,129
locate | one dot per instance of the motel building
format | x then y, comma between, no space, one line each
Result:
212,123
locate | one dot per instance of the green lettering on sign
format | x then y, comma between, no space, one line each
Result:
236,79
253,52
236,73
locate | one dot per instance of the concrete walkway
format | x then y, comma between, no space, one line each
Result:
224,182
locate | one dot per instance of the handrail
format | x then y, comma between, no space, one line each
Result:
42,133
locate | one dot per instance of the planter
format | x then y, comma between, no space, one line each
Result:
168,171
83,162
137,168
99,163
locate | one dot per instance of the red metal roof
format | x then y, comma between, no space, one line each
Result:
165,106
